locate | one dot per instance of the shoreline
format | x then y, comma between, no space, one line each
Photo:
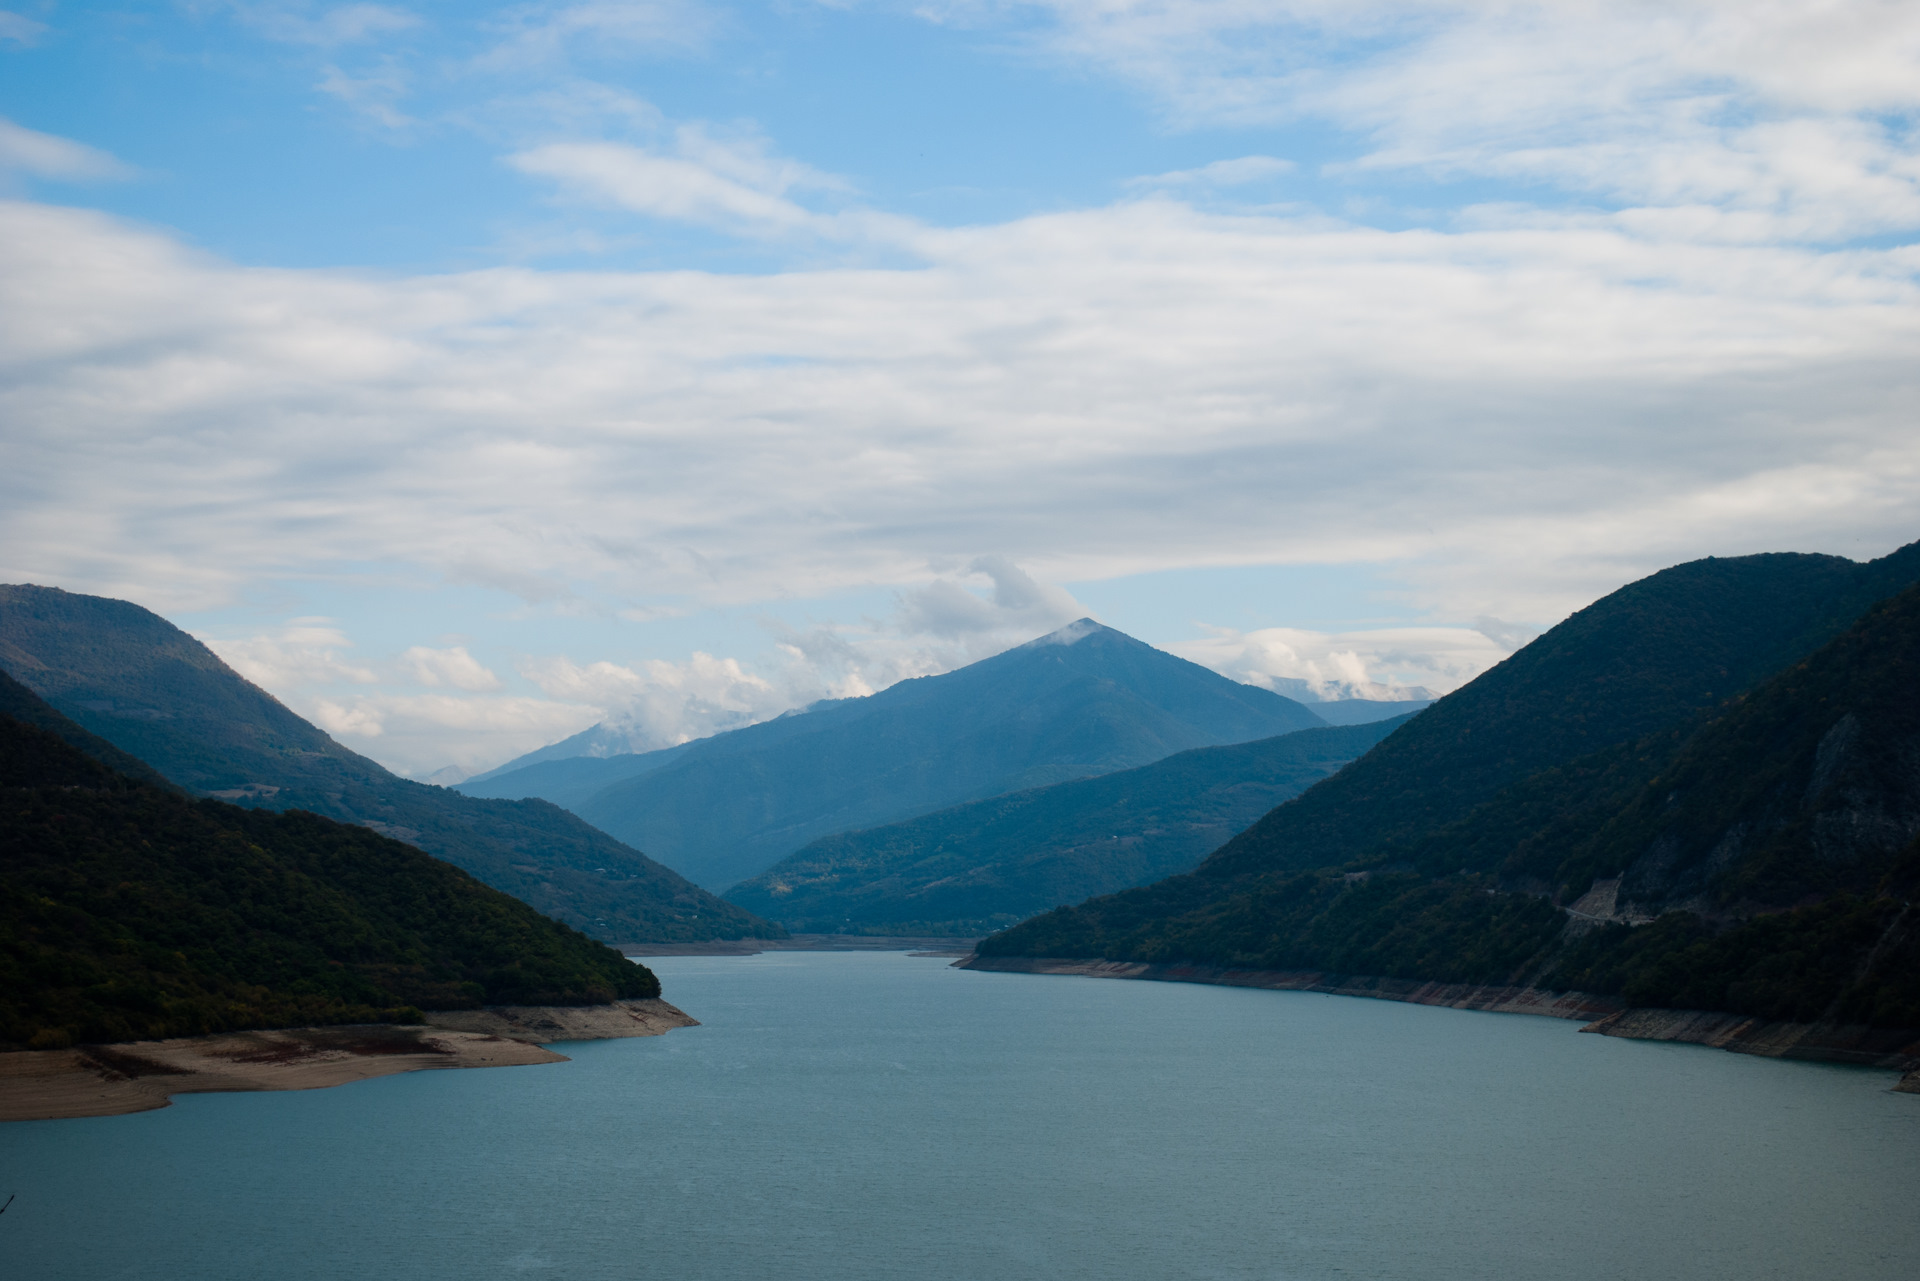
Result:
138,1076
1894,1049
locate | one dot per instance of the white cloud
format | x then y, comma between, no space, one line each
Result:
1386,664
543,34
1518,408
453,666
327,26
304,652
42,155
19,28
661,186
1221,173
374,95
418,734
358,721
372,705
698,176
936,627
1020,606
1798,113
1508,636
657,703
1524,414
599,682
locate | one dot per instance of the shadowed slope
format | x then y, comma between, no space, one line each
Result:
132,678
128,911
987,864
1652,655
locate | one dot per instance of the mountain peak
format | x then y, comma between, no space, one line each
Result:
1073,632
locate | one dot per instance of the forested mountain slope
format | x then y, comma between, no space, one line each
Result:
984,865
1770,839
131,911
27,707
1651,656
132,678
1082,701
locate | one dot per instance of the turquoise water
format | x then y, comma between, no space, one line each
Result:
860,1115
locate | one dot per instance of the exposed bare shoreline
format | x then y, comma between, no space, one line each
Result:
136,1076
1898,1049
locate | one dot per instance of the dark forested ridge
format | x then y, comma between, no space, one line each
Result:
27,707
1769,837
1083,701
129,911
984,865
1650,656
130,677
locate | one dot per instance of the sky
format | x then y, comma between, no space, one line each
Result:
469,374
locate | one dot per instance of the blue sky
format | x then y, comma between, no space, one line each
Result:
468,373
373,136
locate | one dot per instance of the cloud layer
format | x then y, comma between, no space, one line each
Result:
1531,412
1685,326
1389,663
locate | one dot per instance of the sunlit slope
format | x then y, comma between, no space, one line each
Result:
131,911
150,689
984,865
1769,840
1085,700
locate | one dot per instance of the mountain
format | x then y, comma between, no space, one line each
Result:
1081,701
131,911
596,742
1753,853
1365,711
1650,656
572,781
135,680
984,865
577,767
27,707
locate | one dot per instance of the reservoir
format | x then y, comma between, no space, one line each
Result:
883,1117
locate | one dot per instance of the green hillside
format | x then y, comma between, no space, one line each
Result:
129,911
985,865
23,705
1769,840
1649,657
133,679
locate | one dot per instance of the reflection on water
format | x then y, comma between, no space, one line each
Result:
859,1115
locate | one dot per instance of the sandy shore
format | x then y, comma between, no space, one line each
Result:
110,1080
1459,996
1833,1043
1827,1042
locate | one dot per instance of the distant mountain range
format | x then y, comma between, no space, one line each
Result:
987,864
1724,749
1082,701
130,677
610,742
131,911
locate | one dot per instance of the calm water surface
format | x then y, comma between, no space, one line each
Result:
850,1115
